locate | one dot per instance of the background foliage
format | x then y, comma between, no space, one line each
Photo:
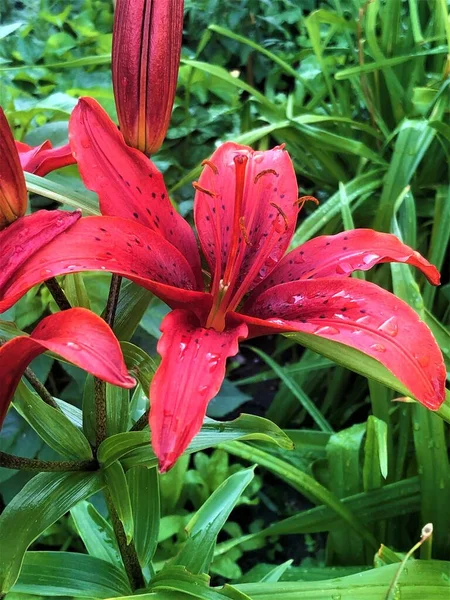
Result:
359,93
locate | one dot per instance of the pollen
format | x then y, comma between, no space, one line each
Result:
199,188
211,165
282,214
265,172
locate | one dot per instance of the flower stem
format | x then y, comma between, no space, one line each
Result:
142,422
9,461
57,293
113,299
127,551
41,389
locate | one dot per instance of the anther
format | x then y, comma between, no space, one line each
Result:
303,200
282,214
244,231
258,177
211,165
199,188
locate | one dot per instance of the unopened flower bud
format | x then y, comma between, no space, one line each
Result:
13,191
145,61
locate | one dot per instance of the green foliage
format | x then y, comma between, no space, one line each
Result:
359,93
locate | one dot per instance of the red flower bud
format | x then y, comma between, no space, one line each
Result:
13,191
145,61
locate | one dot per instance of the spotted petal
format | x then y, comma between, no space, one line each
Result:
358,314
13,191
127,183
112,245
339,255
78,336
43,159
190,375
245,213
26,237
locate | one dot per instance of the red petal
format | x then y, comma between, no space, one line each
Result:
127,183
268,232
78,336
27,236
13,191
362,315
114,245
190,375
341,254
43,159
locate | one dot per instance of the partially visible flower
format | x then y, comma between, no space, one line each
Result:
77,335
21,236
145,61
245,211
13,191
43,159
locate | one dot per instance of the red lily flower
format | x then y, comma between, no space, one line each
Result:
21,236
78,336
43,159
245,212
145,62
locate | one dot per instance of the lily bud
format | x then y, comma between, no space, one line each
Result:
13,191
145,61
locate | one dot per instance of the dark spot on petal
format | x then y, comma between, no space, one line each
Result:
135,215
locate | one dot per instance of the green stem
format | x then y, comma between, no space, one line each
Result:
142,422
127,551
57,293
9,461
41,389
113,299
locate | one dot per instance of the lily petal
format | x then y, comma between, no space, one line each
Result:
13,191
27,236
245,212
113,245
43,159
78,336
190,375
127,183
341,254
362,315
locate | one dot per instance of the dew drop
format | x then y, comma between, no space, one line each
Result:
344,268
390,327
327,330
364,320
213,361
73,346
370,258
296,299
258,158
182,350
202,390
45,273
423,360
378,347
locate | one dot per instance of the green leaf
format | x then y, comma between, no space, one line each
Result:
117,409
140,364
41,502
134,446
51,425
118,488
133,302
96,533
204,527
70,574
55,191
143,484
375,453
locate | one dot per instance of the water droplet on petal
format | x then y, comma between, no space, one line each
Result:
258,158
364,320
297,299
370,258
344,268
390,327
182,350
327,330
45,273
202,390
213,361
378,347
73,346
423,361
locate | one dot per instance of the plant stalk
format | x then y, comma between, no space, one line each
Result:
127,551
58,295
142,422
9,461
40,389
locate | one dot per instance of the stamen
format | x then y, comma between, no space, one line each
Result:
199,188
211,165
258,177
244,231
282,214
303,200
